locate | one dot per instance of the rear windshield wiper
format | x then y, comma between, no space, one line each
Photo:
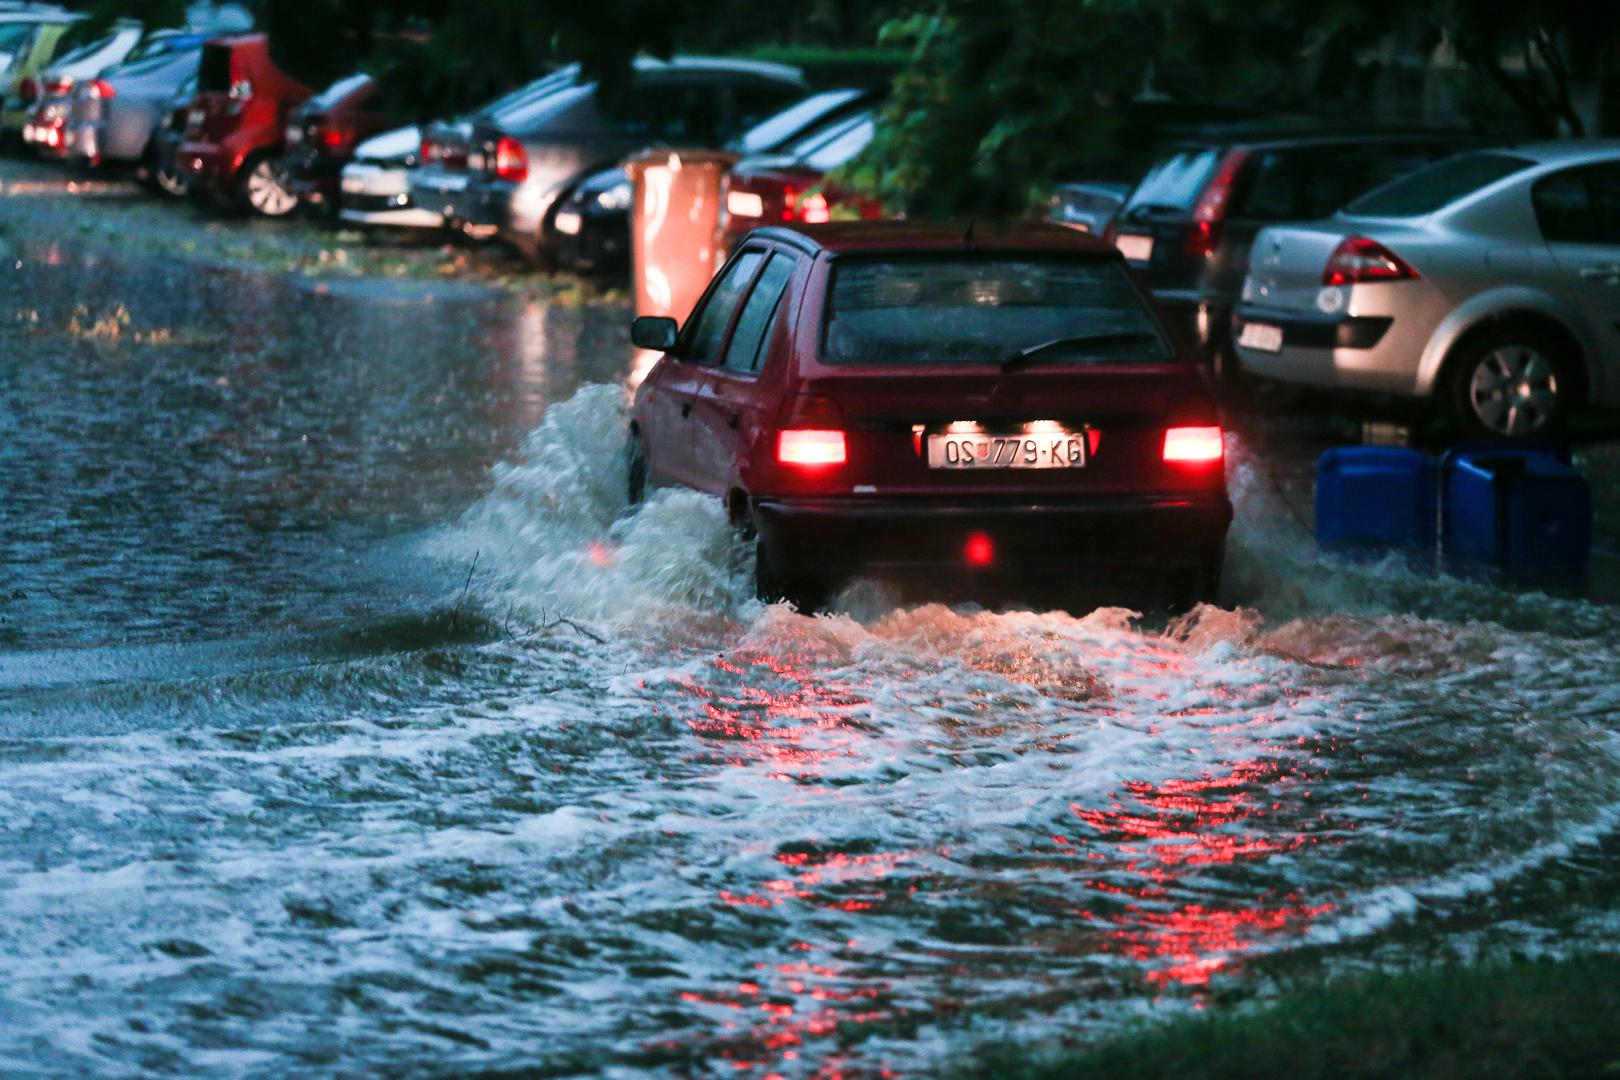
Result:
1024,356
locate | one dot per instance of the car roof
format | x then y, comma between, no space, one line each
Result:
722,64
1306,133
851,237
1563,151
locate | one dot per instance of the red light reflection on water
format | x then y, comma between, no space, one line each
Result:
1154,835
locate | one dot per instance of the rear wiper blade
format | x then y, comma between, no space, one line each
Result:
1024,356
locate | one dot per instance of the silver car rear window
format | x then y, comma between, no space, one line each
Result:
1437,186
957,309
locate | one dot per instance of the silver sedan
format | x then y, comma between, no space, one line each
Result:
1488,283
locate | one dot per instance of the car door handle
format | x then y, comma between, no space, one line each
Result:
1609,272
686,409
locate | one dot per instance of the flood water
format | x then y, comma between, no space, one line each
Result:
351,724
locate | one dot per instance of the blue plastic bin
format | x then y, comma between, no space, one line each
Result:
1519,509
1372,500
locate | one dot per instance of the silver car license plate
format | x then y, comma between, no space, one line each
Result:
1135,248
1048,450
1262,336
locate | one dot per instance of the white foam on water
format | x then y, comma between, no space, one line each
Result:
733,830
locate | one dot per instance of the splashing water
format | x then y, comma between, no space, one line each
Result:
736,839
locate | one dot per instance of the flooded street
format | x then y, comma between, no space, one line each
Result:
350,723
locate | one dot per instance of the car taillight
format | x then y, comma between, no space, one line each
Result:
59,86
511,163
1358,259
1193,445
100,89
811,447
332,138
429,150
1210,211
814,209
28,89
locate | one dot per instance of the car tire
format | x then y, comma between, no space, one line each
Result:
1197,585
261,187
805,596
1516,382
171,182
635,472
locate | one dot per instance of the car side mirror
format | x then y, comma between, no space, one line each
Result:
656,332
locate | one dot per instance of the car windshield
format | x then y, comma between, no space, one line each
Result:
1439,185
776,130
1174,183
13,38
999,310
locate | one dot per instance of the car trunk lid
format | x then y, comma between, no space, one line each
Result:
1120,411
1286,264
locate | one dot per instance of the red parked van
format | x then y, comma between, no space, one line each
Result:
975,410
237,123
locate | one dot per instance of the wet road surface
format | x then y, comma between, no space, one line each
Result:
351,724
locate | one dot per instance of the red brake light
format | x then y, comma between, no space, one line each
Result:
979,551
59,86
814,209
810,447
1358,259
1193,445
332,138
101,88
1210,210
429,150
790,201
511,163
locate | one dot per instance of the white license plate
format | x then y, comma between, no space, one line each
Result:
1048,450
1134,248
1262,336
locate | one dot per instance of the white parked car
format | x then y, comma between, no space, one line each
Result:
1488,283
376,183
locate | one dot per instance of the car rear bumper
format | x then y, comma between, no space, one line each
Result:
206,161
1374,353
1090,538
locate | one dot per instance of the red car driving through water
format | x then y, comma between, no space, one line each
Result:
987,413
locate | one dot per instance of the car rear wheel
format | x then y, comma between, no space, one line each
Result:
635,471
1512,384
805,595
264,189
166,178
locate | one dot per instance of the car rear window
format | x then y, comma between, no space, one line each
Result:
837,144
334,94
214,75
774,131
1174,183
1437,186
986,309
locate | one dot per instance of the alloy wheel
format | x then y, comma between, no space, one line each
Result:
1514,390
267,192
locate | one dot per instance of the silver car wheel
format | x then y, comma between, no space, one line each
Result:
171,182
1514,390
266,192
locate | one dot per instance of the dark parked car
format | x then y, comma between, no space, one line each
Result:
591,227
980,410
324,132
520,162
1188,225
236,126
790,184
